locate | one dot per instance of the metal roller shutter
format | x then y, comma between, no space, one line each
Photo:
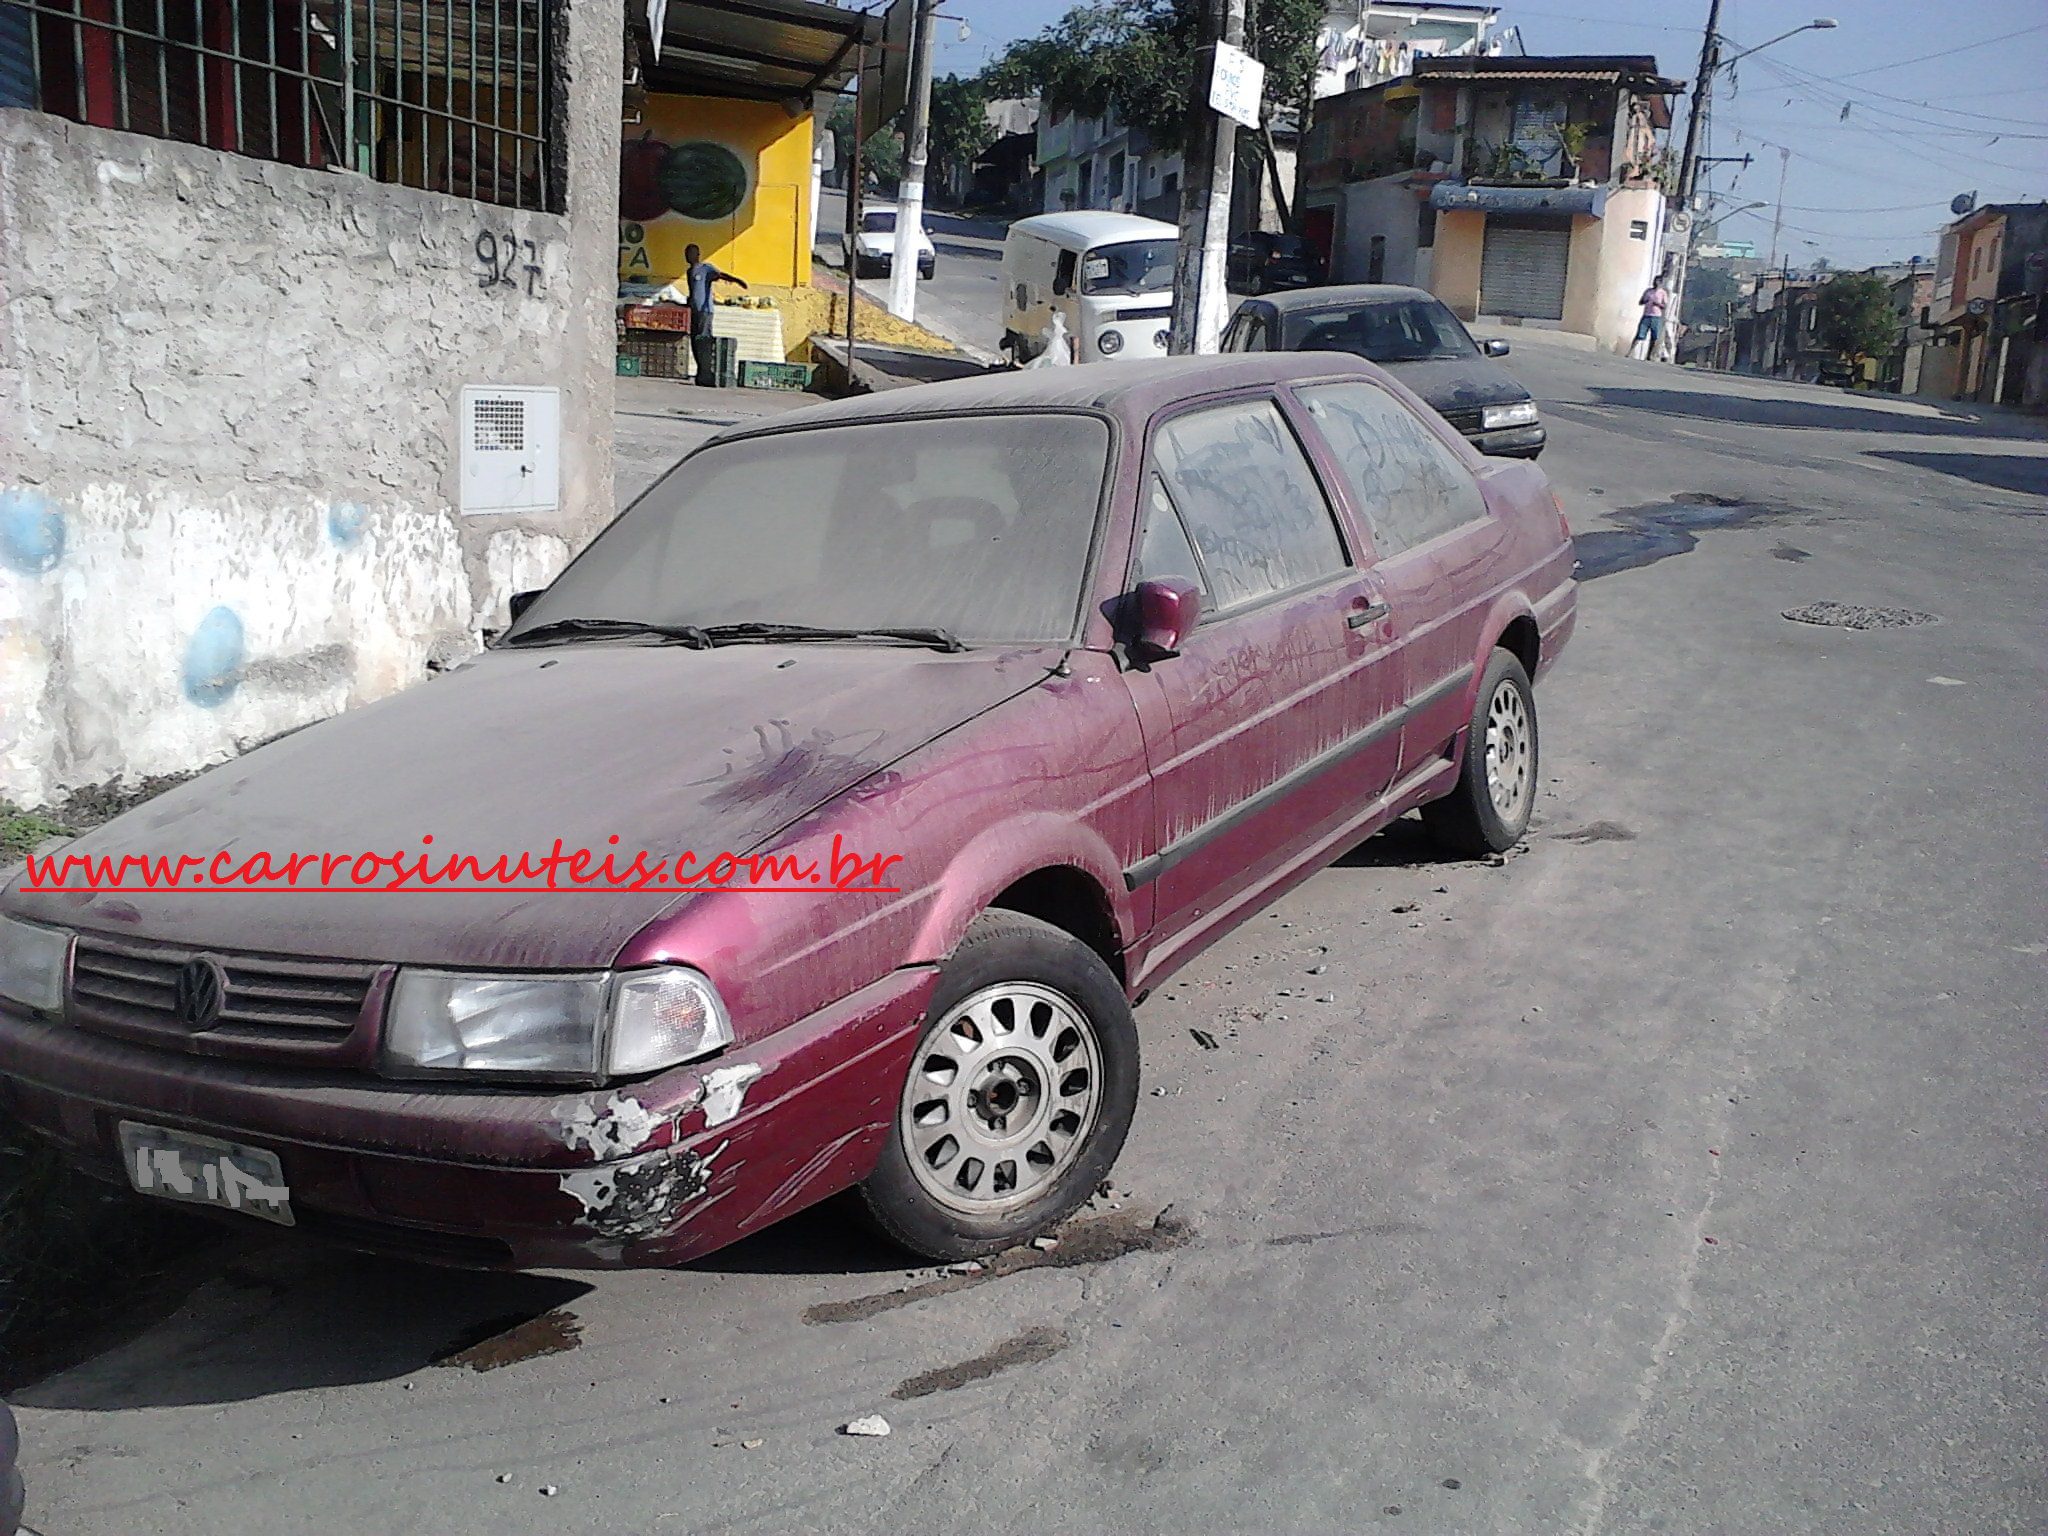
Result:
1521,271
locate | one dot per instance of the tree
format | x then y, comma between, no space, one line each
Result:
1708,293
1137,58
881,156
1856,316
959,130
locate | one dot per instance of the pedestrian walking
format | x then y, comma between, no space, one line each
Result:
699,275
1650,329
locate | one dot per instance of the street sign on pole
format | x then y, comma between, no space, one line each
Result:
1237,85
885,81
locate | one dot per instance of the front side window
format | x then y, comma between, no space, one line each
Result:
981,527
1135,266
1410,487
1250,501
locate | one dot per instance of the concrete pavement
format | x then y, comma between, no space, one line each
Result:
1679,1174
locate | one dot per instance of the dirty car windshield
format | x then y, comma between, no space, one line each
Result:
1137,266
979,525
1401,331
877,222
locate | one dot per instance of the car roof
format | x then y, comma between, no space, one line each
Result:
1131,391
1093,226
1349,293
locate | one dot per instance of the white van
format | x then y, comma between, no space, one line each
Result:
1110,274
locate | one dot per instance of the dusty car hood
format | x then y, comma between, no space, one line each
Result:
669,748
1459,384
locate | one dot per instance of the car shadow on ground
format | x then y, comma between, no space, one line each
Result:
1403,844
1813,415
291,1314
2002,471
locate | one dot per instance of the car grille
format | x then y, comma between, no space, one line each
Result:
132,989
1469,423
1144,314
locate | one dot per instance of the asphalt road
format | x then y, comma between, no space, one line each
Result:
1680,1174
963,298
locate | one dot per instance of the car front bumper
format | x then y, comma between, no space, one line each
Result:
648,1173
1510,442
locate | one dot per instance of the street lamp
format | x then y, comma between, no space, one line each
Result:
1711,64
1818,24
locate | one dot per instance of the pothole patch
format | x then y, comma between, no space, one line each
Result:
1859,616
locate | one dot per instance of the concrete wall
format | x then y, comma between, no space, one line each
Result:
228,430
1609,268
1386,207
1454,264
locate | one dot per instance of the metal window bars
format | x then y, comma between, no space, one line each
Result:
455,96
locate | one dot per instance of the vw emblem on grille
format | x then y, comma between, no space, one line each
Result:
202,991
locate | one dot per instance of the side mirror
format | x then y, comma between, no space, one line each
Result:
521,601
1167,612
1494,346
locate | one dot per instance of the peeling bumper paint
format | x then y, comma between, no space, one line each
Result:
652,1173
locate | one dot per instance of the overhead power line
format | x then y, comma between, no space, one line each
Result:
1919,59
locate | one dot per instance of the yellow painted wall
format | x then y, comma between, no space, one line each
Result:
731,176
1454,269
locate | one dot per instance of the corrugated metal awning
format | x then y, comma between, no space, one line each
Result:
766,49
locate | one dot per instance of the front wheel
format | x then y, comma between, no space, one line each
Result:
1019,1096
1488,812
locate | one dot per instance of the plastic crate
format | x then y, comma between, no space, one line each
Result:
795,376
726,370
629,367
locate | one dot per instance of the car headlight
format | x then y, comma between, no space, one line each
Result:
1521,414
1109,343
592,1025
32,963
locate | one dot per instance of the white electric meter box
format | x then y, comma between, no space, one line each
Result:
511,450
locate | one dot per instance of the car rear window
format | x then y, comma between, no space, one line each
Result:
981,525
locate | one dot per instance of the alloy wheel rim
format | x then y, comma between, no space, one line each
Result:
1509,756
1002,1098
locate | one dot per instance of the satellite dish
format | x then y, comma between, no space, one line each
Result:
1962,203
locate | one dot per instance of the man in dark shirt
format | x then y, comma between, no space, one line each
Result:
699,274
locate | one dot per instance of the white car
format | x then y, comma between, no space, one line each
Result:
874,248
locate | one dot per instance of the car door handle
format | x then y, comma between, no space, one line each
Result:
1358,618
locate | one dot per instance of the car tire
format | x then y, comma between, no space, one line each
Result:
1488,812
927,269
1028,1063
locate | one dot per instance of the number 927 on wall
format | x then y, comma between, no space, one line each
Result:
175,1165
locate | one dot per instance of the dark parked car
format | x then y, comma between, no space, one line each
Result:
1267,263
1074,670
1412,335
11,1493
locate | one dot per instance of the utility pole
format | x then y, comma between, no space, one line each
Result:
917,144
1688,173
853,200
1208,171
1778,209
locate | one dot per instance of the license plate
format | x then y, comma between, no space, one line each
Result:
176,1165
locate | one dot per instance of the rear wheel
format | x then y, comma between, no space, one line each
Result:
1019,1095
1488,812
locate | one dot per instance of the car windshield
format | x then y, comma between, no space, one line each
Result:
878,222
978,526
1137,266
1392,331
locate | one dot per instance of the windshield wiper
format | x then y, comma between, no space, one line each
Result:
601,629
724,634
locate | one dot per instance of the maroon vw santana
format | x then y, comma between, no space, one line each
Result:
1071,671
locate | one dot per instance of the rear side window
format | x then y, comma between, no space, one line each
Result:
1410,487
1258,519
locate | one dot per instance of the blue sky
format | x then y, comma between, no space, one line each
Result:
1924,122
